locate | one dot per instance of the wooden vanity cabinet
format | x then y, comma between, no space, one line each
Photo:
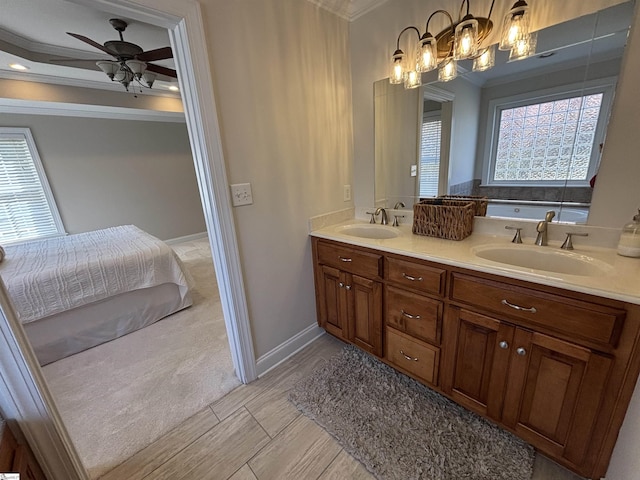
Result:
349,304
553,366
546,390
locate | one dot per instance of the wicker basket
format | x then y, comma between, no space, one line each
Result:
443,218
479,202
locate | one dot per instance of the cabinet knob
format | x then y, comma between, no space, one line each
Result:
521,351
341,285
503,345
348,287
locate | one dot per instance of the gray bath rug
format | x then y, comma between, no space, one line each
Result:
400,429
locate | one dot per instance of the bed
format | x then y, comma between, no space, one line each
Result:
75,292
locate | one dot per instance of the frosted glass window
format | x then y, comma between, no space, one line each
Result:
27,208
548,141
430,156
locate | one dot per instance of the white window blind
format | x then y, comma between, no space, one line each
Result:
430,156
27,208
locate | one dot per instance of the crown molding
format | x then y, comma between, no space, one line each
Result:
47,49
75,82
348,9
31,107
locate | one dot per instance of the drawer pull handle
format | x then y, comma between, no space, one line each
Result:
518,307
521,351
408,315
412,359
345,259
413,279
504,345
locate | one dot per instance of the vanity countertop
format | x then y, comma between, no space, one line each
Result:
620,282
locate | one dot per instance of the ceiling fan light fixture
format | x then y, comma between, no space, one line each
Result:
108,67
149,78
137,67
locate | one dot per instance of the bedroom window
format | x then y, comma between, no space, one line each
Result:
548,139
27,208
430,155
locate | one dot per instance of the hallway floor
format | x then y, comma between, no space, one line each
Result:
254,433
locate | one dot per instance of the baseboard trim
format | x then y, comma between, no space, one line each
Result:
186,238
288,348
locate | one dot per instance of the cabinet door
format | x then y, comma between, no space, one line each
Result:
332,315
478,359
365,313
554,390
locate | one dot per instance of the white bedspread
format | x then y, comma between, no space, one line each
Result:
49,276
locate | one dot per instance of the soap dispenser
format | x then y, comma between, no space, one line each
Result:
629,244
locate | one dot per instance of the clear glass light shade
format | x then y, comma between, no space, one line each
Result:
397,72
524,48
485,60
515,27
448,70
108,67
137,67
465,42
412,79
427,55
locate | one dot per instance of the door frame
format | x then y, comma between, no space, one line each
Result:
24,394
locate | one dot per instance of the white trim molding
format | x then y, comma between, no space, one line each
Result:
288,348
186,238
30,107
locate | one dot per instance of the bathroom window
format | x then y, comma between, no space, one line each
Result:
430,155
27,208
549,139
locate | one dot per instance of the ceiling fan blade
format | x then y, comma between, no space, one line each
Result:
157,54
162,70
84,39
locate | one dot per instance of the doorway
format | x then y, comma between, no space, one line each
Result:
25,395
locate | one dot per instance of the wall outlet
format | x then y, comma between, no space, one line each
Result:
346,193
241,194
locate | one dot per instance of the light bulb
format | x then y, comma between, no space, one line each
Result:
397,68
412,80
465,42
485,60
448,70
427,54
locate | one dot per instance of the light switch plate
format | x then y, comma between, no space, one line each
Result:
241,194
346,193
414,170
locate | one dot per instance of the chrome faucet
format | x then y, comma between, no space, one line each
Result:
542,228
383,220
399,205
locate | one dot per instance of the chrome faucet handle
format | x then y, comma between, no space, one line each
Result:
383,219
568,244
395,220
373,216
517,238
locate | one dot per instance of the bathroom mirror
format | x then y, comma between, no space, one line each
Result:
527,134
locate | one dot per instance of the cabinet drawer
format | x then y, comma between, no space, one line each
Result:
418,359
569,316
350,259
416,275
414,314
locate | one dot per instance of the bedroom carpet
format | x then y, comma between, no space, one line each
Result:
402,430
120,396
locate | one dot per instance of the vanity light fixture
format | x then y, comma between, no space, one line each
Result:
516,26
524,47
461,40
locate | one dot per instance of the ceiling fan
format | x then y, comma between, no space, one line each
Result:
131,61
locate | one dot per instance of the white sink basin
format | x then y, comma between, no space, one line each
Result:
369,230
547,259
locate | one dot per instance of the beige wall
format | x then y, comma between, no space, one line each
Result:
116,172
282,84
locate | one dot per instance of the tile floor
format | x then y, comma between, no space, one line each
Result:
254,433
